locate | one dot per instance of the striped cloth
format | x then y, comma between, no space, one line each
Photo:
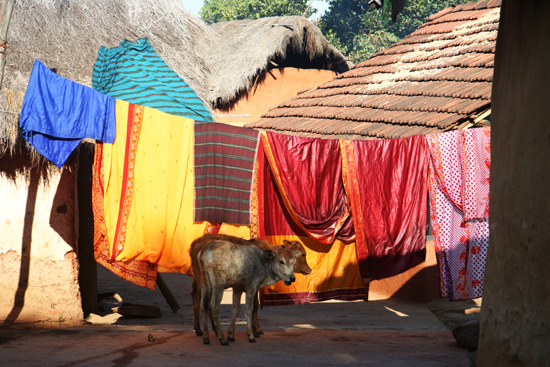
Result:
224,166
133,72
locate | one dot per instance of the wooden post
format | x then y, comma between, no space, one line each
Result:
87,275
5,16
172,302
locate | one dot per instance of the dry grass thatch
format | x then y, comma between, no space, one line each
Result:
67,34
251,47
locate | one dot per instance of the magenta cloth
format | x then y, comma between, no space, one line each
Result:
392,187
310,172
460,164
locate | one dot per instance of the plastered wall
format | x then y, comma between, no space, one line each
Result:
38,262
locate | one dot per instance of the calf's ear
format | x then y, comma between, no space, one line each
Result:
270,254
292,245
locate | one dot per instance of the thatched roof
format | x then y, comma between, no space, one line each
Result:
66,35
221,63
251,47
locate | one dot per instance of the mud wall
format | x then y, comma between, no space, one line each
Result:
38,263
278,85
418,284
515,316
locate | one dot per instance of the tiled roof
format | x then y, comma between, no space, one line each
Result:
436,79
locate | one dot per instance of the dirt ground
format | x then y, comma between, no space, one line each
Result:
374,333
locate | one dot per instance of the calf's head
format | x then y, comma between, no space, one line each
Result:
283,264
301,266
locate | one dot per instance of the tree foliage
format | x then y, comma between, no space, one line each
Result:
359,33
225,10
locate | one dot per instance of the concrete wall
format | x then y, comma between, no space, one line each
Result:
279,85
515,316
38,263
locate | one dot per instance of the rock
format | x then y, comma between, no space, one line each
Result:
466,333
103,320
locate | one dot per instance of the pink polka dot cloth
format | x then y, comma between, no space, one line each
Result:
458,182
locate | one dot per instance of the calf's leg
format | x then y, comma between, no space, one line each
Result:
250,295
205,305
235,310
255,322
196,296
215,302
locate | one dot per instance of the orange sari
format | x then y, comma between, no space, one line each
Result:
143,195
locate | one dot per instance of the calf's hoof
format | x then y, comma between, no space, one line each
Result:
206,340
198,332
224,342
231,338
252,340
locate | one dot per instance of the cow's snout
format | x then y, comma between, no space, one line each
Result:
291,280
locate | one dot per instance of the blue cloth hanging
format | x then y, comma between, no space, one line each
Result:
58,113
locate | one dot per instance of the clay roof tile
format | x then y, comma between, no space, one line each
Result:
431,81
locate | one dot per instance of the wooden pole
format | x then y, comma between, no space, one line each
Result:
87,276
5,16
172,302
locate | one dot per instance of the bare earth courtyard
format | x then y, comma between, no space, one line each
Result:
374,333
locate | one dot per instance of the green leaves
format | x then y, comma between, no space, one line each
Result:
359,33
366,45
214,11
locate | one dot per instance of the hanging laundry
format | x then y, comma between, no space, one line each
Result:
135,73
145,189
386,183
308,175
459,209
142,273
335,272
224,165
58,113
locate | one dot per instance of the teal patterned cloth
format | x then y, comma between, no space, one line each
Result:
133,72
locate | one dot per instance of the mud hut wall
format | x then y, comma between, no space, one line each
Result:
271,89
38,261
515,316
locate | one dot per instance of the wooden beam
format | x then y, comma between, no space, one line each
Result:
5,16
172,302
87,275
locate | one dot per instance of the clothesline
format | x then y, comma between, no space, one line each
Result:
372,193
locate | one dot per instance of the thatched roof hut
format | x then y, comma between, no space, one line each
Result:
252,47
66,36
221,63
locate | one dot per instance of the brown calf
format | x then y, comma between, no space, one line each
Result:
246,269
301,266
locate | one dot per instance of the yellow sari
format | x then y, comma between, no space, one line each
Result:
146,180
